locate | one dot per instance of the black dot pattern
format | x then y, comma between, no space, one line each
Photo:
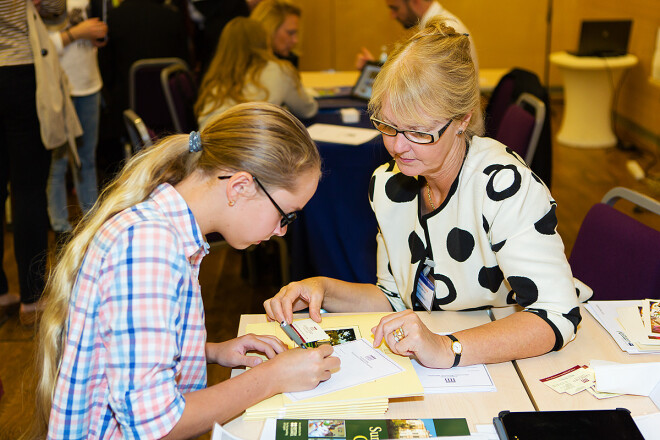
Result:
417,249
372,186
507,170
526,291
460,244
548,223
401,189
485,224
498,246
491,278
451,291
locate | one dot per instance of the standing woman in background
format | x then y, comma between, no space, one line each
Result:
76,46
244,69
122,343
281,19
24,160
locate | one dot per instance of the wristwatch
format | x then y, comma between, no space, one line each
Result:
457,348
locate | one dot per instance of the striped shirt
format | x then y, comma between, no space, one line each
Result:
136,337
14,38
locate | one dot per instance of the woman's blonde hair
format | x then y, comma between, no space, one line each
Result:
242,53
430,74
259,138
272,13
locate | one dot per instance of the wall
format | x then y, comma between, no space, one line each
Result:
507,33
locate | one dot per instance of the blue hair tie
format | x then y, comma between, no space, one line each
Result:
194,142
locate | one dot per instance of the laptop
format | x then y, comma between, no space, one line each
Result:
604,38
356,96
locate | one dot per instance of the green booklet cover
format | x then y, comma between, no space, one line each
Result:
302,429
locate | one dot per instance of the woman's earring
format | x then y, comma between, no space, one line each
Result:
459,132
231,203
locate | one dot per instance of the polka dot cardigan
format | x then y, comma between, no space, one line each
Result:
493,240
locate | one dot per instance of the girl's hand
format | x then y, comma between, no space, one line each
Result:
233,353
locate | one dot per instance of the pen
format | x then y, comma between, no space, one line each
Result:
293,334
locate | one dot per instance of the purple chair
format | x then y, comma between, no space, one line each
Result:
180,93
146,96
521,125
616,255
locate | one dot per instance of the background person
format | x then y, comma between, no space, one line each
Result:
281,19
122,343
462,220
24,160
77,45
244,69
411,13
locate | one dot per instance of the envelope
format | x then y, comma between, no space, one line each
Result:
638,378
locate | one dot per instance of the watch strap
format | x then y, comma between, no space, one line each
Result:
457,356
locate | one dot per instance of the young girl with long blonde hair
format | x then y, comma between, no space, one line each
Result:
122,342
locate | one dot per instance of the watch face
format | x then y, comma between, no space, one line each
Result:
456,347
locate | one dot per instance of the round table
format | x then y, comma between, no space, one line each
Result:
589,84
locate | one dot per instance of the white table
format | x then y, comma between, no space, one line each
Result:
592,342
589,85
477,408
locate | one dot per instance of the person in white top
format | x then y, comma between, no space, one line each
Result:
244,69
77,48
411,13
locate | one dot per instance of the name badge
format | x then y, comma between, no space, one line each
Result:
426,287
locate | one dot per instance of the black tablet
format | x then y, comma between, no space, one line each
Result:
567,425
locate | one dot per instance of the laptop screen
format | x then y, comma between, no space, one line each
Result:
604,38
362,88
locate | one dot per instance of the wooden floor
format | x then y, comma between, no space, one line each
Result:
580,178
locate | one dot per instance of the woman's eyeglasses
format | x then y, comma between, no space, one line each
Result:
287,219
418,137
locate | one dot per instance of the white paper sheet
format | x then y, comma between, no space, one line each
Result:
470,379
338,134
639,378
648,426
360,363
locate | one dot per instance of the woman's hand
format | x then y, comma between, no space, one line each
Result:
296,296
300,370
233,353
430,349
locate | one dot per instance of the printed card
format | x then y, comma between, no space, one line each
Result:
571,381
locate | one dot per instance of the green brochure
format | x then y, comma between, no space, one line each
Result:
377,429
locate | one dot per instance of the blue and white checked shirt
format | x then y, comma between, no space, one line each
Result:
136,338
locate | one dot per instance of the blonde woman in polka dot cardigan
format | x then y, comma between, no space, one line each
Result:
463,222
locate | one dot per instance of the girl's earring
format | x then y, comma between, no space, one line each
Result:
231,203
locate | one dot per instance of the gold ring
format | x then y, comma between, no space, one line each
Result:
398,334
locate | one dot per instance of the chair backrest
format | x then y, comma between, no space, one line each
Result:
146,96
180,93
616,255
138,132
521,125
508,91
498,104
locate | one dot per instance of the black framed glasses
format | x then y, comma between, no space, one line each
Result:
418,137
287,219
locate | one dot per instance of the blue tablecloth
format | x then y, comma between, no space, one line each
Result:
335,234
